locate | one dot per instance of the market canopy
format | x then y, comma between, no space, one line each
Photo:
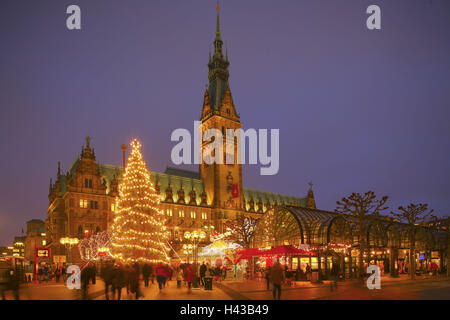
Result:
286,250
218,248
277,251
248,253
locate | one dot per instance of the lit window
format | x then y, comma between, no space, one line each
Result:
44,242
193,215
169,212
113,207
83,203
181,214
204,215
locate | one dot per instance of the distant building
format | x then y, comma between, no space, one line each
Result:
19,246
6,251
36,237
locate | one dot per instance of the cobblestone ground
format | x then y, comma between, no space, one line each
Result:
398,288
391,288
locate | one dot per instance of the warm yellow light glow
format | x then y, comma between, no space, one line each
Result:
138,231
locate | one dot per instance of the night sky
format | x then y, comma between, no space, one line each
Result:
357,110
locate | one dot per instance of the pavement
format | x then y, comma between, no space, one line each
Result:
401,288
391,288
172,292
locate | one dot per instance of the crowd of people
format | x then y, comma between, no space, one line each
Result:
118,277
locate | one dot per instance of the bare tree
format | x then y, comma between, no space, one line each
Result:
241,229
364,207
413,215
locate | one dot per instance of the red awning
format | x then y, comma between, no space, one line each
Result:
277,251
287,251
248,253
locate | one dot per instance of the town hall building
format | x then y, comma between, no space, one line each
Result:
81,200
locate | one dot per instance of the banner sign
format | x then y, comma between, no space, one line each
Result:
235,190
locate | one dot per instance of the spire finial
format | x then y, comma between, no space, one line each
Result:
218,21
310,185
88,142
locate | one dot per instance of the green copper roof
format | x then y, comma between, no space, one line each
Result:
190,181
271,197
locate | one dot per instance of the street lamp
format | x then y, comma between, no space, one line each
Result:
187,250
194,237
209,229
69,243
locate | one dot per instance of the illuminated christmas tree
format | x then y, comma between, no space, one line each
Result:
138,231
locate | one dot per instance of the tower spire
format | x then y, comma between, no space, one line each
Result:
218,21
218,69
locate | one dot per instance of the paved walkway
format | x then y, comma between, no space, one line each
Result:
171,292
425,287
391,288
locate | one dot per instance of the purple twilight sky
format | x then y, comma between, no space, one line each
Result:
357,109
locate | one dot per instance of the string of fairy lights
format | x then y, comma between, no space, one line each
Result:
139,233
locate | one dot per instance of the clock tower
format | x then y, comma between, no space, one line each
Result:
223,182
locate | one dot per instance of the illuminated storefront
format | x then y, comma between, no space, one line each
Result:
334,239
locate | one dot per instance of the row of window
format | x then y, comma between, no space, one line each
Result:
181,214
88,230
88,183
92,204
85,204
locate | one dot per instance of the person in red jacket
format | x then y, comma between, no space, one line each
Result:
189,275
161,275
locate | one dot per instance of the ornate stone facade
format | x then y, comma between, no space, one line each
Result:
81,201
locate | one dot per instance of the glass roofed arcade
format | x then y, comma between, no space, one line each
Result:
334,238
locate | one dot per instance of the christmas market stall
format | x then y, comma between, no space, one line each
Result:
222,254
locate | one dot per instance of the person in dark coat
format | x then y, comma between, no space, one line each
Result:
57,274
146,272
118,281
93,273
85,277
133,280
202,273
107,273
334,276
267,276
277,277
14,282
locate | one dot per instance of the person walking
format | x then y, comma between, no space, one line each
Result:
434,268
146,272
153,273
64,272
57,274
118,281
179,276
126,278
189,275
93,273
277,278
107,274
133,280
308,272
334,275
202,273
85,277
161,275
267,276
